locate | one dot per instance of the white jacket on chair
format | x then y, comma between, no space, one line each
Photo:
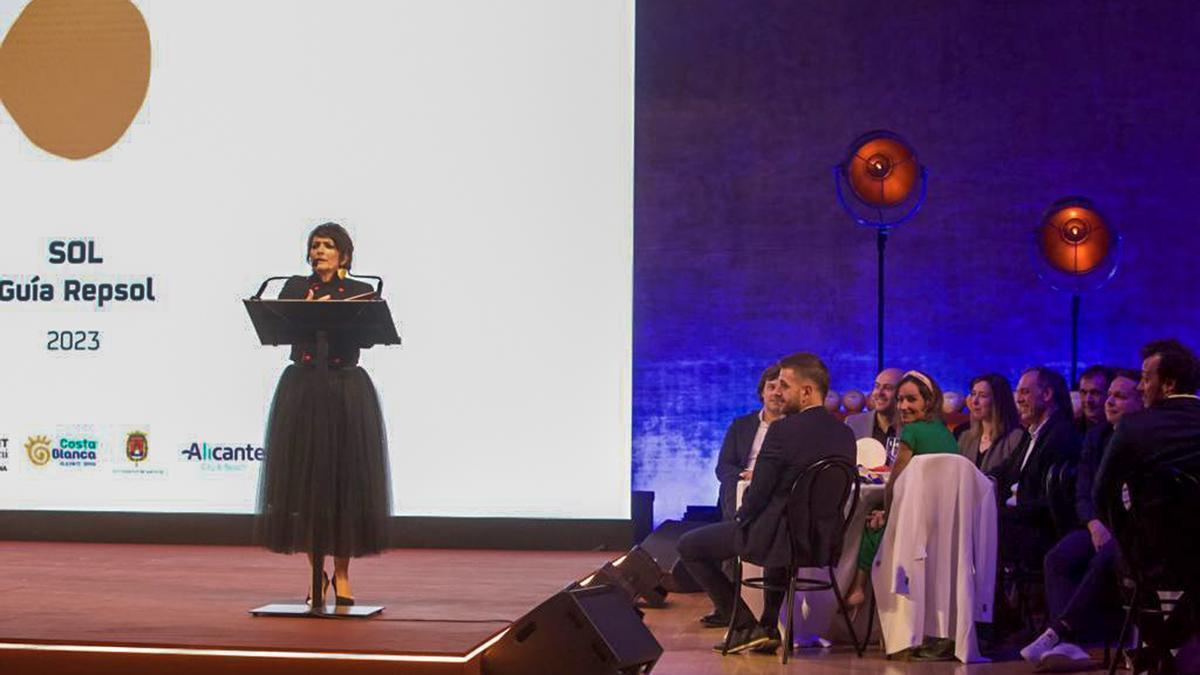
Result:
935,574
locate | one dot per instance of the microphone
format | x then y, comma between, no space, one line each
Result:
378,289
258,295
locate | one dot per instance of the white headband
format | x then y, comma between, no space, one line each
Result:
920,376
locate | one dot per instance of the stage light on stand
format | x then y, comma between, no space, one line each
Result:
880,184
1075,251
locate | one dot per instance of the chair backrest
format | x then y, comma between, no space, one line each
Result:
819,509
1060,496
1152,516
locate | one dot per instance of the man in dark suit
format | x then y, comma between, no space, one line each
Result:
1167,432
1026,529
807,434
1079,568
744,439
1166,435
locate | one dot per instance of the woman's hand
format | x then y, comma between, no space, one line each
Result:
310,296
876,520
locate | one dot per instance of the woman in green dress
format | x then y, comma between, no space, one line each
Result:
919,400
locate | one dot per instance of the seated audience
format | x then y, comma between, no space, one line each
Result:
759,532
744,439
1093,389
853,401
1079,569
953,403
995,427
1026,530
957,420
880,423
920,406
833,402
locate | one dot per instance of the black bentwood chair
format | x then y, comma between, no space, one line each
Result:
819,509
1152,519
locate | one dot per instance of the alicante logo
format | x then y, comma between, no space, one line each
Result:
215,459
137,446
74,73
38,449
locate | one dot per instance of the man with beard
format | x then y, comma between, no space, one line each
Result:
759,532
882,423
1167,433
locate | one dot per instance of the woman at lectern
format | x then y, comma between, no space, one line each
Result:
325,484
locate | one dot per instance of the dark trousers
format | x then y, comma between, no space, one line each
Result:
1024,536
704,549
1079,580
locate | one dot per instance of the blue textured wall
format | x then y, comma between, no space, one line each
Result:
742,253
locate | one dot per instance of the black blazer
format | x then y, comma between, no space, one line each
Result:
1094,444
791,446
341,355
735,452
1057,442
1165,434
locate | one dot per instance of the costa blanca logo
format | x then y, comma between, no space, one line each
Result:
67,452
227,458
137,446
39,450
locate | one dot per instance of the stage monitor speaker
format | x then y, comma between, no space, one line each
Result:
636,574
662,545
579,631
641,571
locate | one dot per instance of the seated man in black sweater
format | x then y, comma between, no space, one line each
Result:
759,532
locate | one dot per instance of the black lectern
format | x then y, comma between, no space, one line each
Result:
363,323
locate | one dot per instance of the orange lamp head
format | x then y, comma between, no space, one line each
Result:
883,170
1074,238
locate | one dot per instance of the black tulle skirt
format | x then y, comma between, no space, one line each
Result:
325,481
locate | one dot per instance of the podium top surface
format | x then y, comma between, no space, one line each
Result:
363,323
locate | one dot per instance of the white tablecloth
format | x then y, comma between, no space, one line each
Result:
816,611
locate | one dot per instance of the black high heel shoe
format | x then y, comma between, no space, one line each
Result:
324,589
339,599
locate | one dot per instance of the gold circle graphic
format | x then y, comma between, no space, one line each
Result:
38,449
74,73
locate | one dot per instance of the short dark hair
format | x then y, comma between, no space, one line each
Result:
771,373
1127,373
809,367
1176,362
341,241
1057,384
1097,370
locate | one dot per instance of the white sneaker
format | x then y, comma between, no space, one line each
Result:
1063,657
1045,642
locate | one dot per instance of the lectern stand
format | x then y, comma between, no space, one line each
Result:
362,323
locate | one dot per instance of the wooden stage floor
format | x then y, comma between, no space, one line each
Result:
188,600
130,609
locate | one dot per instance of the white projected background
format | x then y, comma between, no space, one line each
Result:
480,154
